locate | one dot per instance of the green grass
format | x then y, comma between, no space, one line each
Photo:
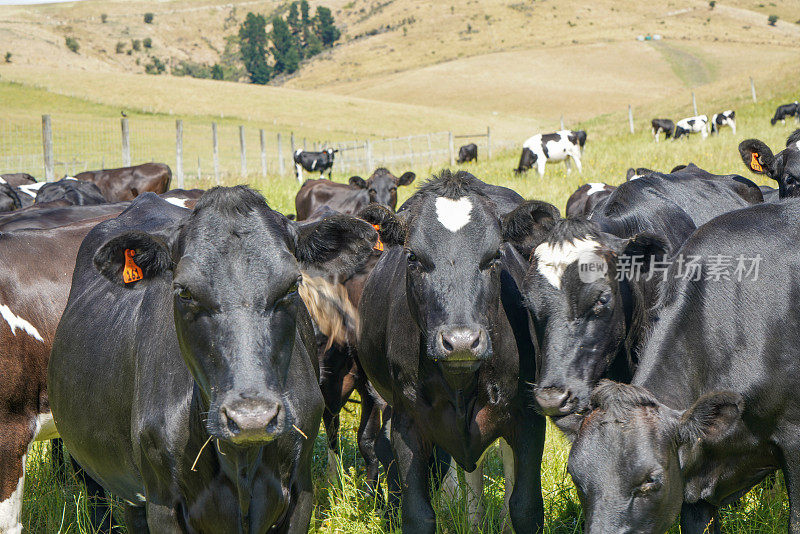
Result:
53,506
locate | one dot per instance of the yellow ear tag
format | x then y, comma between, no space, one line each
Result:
379,245
754,164
131,273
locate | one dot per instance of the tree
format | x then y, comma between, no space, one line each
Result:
103,18
285,49
772,20
148,18
305,16
217,72
120,47
72,44
148,42
136,44
313,45
293,20
8,57
326,31
712,4
253,47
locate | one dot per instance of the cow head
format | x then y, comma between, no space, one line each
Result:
382,186
783,167
452,238
9,200
583,310
526,161
234,267
635,460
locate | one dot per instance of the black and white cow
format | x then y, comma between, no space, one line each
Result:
17,179
726,118
783,167
467,153
9,199
313,162
559,146
712,408
587,197
786,110
197,320
662,125
70,191
692,125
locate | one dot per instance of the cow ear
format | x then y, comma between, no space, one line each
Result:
756,156
357,181
9,191
390,226
677,168
712,419
793,139
630,174
528,225
406,178
337,245
645,248
131,257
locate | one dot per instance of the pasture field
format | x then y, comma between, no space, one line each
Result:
55,503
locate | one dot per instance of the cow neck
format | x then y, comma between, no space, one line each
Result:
637,319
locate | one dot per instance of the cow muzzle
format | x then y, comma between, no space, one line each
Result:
461,346
251,420
555,402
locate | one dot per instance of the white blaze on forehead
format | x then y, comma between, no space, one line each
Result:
15,323
453,214
595,188
553,259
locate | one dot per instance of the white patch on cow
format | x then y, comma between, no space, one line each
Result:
453,214
141,497
553,259
560,149
31,189
180,202
45,427
635,177
314,164
595,188
70,178
2,180
11,508
15,323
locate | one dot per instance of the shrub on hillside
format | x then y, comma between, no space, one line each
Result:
103,18
72,44
156,66
8,57
148,18
148,43
136,44
120,47
772,20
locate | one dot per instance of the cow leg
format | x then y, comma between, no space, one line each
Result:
791,473
163,519
301,515
577,161
12,484
699,518
412,455
298,172
470,492
655,135
526,504
704,132
733,127
568,165
331,422
540,167
99,506
135,518
507,454
369,428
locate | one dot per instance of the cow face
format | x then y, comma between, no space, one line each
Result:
234,266
582,311
382,186
784,167
526,161
633,455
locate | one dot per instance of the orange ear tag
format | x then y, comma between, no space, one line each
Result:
379,245
754,164
131,273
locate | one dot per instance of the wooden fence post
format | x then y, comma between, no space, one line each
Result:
263,141
47,146
199,171
452,149
368,148
179,152
562,122
430,150
753,90
694,104
489,141
630,117
243,150
292,144
215,151
126,143
281,167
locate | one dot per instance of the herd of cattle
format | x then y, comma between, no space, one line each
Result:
140,325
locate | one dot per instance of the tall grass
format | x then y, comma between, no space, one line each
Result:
55,502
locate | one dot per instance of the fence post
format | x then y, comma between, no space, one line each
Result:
452,149
126,143
199,172
562,122
489,141
281,168
430,150
215,151
304,144
368,147
179,152
47,146
243,150
292,143
753,90
263,140
694,104
630,117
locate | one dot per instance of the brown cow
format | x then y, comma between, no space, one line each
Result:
17,179
350,198
129,182
54,214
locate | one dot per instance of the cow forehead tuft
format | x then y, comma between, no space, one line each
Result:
453,214
552,259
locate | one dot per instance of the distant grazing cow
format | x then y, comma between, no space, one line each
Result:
691,125
184,198
183,329
584,200
350,198
712,408
543,148
313,162
9,199
783,167
662,125
71,191
786,110
17,179
726,118
467,153
127,183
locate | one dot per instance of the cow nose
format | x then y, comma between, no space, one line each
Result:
554,401
462,343
250,420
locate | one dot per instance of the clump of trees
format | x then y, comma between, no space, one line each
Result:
296,37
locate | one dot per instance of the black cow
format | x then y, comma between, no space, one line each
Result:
9,199
73,192
17,179
713,406
587,197
467,153
313,162
785,110
591,317
783,167
37,218
662,125
202,337
444,338
770,193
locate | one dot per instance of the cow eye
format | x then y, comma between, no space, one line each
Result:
412,258
372,191
601,303
652,484
184,294
392,189
294,287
